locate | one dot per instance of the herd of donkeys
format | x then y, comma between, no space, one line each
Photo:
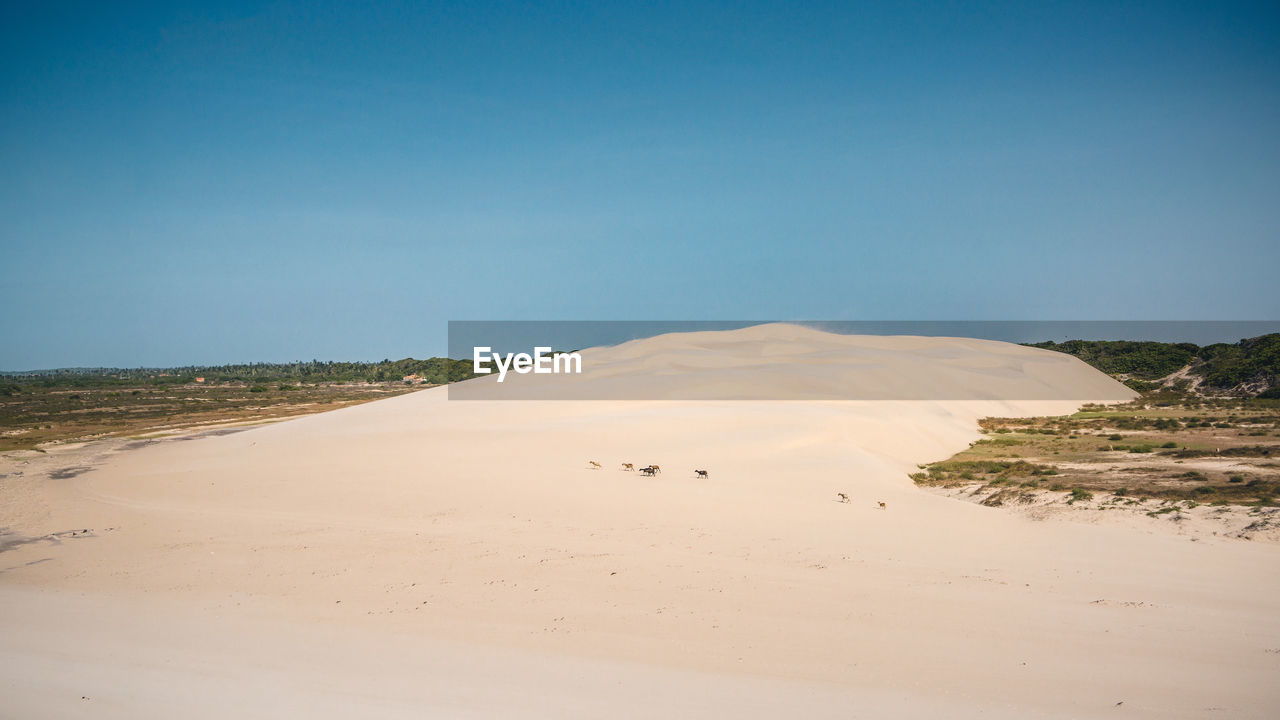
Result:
650,470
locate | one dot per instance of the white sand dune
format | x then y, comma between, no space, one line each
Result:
418,557
790,362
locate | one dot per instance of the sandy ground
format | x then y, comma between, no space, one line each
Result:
1259,524
431,558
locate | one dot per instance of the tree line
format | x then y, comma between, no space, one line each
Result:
1251,366
435,370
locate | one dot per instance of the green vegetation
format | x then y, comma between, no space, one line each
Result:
1246,361
1177,447
1143,360
40,415
994,472
1080,494
79,404
432,371
1250,367
1201,406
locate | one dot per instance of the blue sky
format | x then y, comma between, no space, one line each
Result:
202,184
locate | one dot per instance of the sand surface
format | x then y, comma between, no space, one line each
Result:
420,557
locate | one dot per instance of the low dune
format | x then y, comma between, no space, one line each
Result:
422,557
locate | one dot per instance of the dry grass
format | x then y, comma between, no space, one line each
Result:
39,415
1164,447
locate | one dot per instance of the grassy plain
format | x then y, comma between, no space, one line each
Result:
1166,445
34,414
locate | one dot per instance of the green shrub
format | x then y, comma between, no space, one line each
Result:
1080,494
1144,360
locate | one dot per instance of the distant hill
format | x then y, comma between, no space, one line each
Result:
1248,368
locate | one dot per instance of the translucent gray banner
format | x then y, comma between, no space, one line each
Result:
809,360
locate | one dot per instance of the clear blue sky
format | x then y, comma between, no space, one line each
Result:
187,184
